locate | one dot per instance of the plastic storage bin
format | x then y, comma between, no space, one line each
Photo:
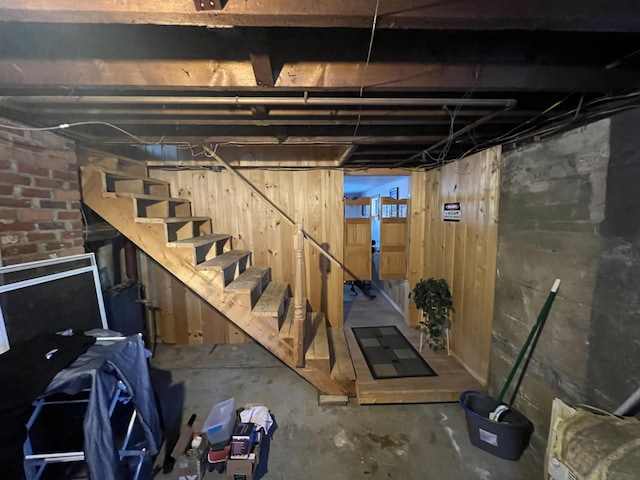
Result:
219,424
506,439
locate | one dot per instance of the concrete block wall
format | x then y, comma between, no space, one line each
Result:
40,215
569,210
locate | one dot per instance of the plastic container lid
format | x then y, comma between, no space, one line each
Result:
219,424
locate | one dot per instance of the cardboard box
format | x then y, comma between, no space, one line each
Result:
245,468
189,461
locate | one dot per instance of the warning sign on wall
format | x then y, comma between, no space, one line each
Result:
451,212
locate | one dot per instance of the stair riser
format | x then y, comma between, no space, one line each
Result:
186,230
228,274
114,163
202,253
136,186
167,208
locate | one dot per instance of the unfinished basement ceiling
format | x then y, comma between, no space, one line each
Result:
291,83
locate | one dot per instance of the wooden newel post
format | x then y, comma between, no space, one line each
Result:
298,312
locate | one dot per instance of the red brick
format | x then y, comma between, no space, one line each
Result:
67,195
67,234
47,182
14,179
53,204
50,226
69,215
72,251
8,213
40,236
31,169
51,162
77,225
22,155
78,242
15,202
75,206
66,176
72,186
50,246
48,139
17,227
15,250
6,189
5,164
34,214
35,193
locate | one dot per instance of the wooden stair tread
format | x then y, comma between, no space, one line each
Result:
225,260
144,196
248,279
170,219
198,241
271,303
123,175
319,344
342,365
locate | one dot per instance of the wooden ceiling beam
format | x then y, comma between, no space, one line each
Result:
214,76
570,15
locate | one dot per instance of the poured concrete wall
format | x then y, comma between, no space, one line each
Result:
569,210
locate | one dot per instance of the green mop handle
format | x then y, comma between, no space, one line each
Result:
541,317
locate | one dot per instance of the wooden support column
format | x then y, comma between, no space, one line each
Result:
256,40
298,314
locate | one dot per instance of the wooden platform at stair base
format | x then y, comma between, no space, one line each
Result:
451,381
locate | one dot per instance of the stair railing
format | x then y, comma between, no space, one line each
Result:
298,298
212,154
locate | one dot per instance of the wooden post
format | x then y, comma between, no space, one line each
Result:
298,312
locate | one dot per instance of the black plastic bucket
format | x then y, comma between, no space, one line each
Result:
507,438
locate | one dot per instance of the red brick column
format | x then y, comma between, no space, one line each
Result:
40,214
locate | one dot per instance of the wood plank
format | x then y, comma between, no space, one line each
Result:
342,368
381,76
317,354
492,14
193,317
226,260
287,329
451,381
272,301
258,46
181,326
171,219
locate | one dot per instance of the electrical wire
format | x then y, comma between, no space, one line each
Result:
64,126
366,65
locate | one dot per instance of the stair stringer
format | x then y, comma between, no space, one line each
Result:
151,238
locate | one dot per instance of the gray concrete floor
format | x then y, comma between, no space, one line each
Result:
312,442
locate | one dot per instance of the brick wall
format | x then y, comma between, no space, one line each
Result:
40,214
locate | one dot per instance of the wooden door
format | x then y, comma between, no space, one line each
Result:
357,239
394,239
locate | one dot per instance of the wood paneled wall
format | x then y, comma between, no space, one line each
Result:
464,253
313,197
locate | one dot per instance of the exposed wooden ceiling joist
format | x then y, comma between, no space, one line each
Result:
596,15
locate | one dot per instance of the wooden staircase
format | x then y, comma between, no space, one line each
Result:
142,209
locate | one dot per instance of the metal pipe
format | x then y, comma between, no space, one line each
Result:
268,101
629,404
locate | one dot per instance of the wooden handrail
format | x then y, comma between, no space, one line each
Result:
212,154
298,298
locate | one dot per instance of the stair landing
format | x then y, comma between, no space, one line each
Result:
452,378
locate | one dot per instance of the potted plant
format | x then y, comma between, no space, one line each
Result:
433,298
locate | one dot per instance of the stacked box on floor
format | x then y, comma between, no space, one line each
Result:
244,468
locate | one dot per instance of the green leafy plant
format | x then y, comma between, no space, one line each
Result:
433,298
